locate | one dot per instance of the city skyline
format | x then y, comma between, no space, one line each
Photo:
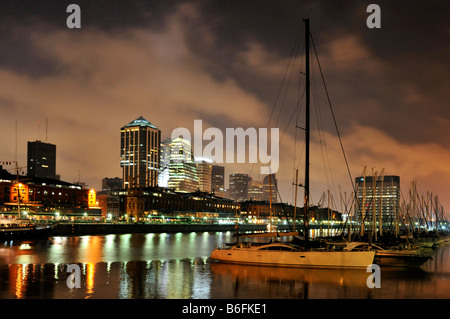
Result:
222,63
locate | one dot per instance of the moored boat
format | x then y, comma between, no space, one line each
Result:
291,255
394,257
11,229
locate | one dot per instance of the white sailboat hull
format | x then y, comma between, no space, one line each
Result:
325,259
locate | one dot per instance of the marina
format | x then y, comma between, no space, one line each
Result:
177,266
224,156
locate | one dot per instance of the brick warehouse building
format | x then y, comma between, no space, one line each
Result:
45,198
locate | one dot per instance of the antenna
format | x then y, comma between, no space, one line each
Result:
46,129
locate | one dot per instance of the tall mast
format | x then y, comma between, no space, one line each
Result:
270,201
363,207
295,204
307,131
374,211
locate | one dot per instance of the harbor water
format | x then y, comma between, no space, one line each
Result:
177,266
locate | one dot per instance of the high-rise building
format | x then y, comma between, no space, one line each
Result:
239,187
41,160
182,169
379,194
163,177
204,171
218,180
140,143
270,188
255,191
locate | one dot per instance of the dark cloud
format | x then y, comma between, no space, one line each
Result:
224,62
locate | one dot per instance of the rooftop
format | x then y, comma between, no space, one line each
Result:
140,121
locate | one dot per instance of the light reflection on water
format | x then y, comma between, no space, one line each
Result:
176,266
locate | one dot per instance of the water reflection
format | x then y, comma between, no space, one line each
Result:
275,282
112,248
167,266
171,279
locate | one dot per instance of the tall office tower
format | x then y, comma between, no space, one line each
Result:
163,177
239,186
218,180
41,160
204,171
270,188
140,143
182,170
255,191
380,195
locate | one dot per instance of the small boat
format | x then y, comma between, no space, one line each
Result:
394,257
11,229
428,244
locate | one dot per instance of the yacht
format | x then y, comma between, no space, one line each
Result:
290,254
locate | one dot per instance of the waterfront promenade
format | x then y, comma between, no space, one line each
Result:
76,229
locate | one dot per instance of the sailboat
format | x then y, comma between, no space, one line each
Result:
288,254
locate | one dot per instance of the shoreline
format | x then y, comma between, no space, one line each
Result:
76,229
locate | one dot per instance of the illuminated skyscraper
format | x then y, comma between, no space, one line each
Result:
163,177
41,160
140,143
381,195
182,169
204,171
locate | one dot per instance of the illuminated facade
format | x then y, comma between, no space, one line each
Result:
41,197
163,201
204,170
261,210
182,169
163,177
379,194
255,191
92,198
41,160
140,153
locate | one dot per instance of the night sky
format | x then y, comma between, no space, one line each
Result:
223,62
